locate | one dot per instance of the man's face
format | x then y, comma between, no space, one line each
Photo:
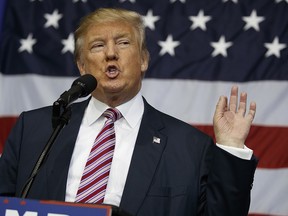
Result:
111,53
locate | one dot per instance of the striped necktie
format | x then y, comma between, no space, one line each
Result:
96,173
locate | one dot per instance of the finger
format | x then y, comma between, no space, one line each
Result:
242,103
233,99
252,111
221,106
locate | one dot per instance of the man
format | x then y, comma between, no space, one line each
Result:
161,166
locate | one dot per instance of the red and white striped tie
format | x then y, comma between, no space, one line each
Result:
96,173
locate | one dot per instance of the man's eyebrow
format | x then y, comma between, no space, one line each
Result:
94,39
116,37
122,35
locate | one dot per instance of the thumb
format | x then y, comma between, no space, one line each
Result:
221,107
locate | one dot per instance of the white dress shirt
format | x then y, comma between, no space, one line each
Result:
126,130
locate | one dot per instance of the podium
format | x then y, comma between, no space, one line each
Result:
10,206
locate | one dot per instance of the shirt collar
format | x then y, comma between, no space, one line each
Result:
132,110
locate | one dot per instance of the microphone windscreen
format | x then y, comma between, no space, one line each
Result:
87,82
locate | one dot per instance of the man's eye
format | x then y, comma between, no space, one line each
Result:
97,47
123,43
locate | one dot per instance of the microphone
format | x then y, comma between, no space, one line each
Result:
81,87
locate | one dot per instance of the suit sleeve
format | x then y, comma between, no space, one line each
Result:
9,160
225,184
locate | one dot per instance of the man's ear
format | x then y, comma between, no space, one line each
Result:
81,67
144,62
144,66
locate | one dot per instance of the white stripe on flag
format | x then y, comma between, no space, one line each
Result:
189,100
194,101
20,93
266,198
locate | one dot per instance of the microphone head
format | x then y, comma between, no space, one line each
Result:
87,83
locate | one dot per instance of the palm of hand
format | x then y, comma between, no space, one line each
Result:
231,126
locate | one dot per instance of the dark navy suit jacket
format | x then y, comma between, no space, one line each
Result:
184,174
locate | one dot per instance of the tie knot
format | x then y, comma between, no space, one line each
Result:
113,114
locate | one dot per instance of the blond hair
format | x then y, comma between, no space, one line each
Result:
103,15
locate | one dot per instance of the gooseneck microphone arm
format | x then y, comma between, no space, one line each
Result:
61,115
62,121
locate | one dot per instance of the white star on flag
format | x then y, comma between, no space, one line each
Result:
52,19
27,44
278,1
132,1
253,21
235,1
199,21
168,46
274,48
149,20
221,47
68,44
74,1
182,1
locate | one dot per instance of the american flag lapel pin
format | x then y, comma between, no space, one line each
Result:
156,140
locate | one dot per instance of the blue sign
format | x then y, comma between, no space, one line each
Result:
24,207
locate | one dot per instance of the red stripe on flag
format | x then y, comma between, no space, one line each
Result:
270,144
6,123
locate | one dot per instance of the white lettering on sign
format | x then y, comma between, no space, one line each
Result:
10,212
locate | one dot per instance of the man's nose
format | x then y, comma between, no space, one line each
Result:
111,52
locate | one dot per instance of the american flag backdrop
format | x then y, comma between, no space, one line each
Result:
199,49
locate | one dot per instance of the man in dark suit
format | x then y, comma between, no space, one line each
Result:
161,166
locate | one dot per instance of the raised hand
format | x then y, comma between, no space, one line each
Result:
231,123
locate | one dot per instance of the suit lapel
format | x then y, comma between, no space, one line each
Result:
59,158
147,153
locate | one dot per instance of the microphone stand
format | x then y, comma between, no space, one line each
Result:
58,121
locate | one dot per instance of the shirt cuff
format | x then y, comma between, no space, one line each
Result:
244,153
